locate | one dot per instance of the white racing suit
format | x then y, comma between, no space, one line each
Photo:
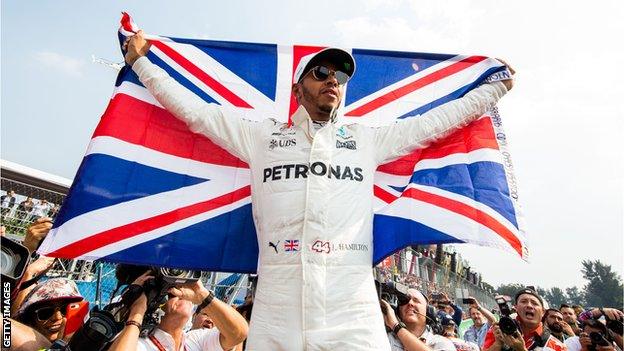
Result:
312,196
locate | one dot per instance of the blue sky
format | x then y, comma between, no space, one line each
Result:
565,121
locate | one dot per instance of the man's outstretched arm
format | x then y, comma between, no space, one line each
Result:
221,126
405,136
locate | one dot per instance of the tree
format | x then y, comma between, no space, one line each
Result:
509,289
575,296
555,297
604,287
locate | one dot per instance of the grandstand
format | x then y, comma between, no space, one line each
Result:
428,268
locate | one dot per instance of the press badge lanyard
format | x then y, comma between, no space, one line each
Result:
158,344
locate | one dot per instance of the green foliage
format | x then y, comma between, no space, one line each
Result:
604,287
575,296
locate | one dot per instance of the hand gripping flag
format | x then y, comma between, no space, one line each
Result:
149,191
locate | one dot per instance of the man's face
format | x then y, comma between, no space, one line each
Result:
414,311
476,316
319,96
178,307
201,320
529,309
568,315
554,320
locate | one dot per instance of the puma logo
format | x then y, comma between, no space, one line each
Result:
274,246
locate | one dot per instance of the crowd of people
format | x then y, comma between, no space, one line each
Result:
47,313
18,213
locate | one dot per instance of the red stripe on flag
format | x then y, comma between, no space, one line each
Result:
201,75
111,236
477,135
415,85
126,22
469,212
383,195
140,123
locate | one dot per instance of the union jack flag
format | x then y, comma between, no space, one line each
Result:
149,191
291,245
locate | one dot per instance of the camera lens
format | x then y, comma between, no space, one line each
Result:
9,261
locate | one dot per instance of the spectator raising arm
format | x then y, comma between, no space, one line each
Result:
231,324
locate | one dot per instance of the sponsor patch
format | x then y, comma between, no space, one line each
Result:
348,144
296,171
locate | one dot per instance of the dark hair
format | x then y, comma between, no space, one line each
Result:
548,311
592,323
564,305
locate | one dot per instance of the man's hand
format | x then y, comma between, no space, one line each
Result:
194,292
515,342
474,303
389,316
612,313
567,329
139,306
509,82
498,334
37,232
137,47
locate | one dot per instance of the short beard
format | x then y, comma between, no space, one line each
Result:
557,328
323,108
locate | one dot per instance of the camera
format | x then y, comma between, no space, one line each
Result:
597,339
15,257
393,293
102,326
615,325
506,323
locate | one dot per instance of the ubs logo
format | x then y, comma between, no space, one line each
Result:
281,143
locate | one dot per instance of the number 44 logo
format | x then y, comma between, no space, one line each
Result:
321,246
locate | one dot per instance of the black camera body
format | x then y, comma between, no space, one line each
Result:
615,325
506,323
597,339
393,293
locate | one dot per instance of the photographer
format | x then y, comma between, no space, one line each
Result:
584,342
613,319
410,330
530,332
231,328
482,320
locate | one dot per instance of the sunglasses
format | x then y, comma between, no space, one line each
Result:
321,73
45,313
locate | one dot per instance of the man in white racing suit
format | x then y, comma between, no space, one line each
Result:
312,184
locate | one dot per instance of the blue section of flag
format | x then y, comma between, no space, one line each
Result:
394,233
255,63
377,69
224,243
104,180
482,181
